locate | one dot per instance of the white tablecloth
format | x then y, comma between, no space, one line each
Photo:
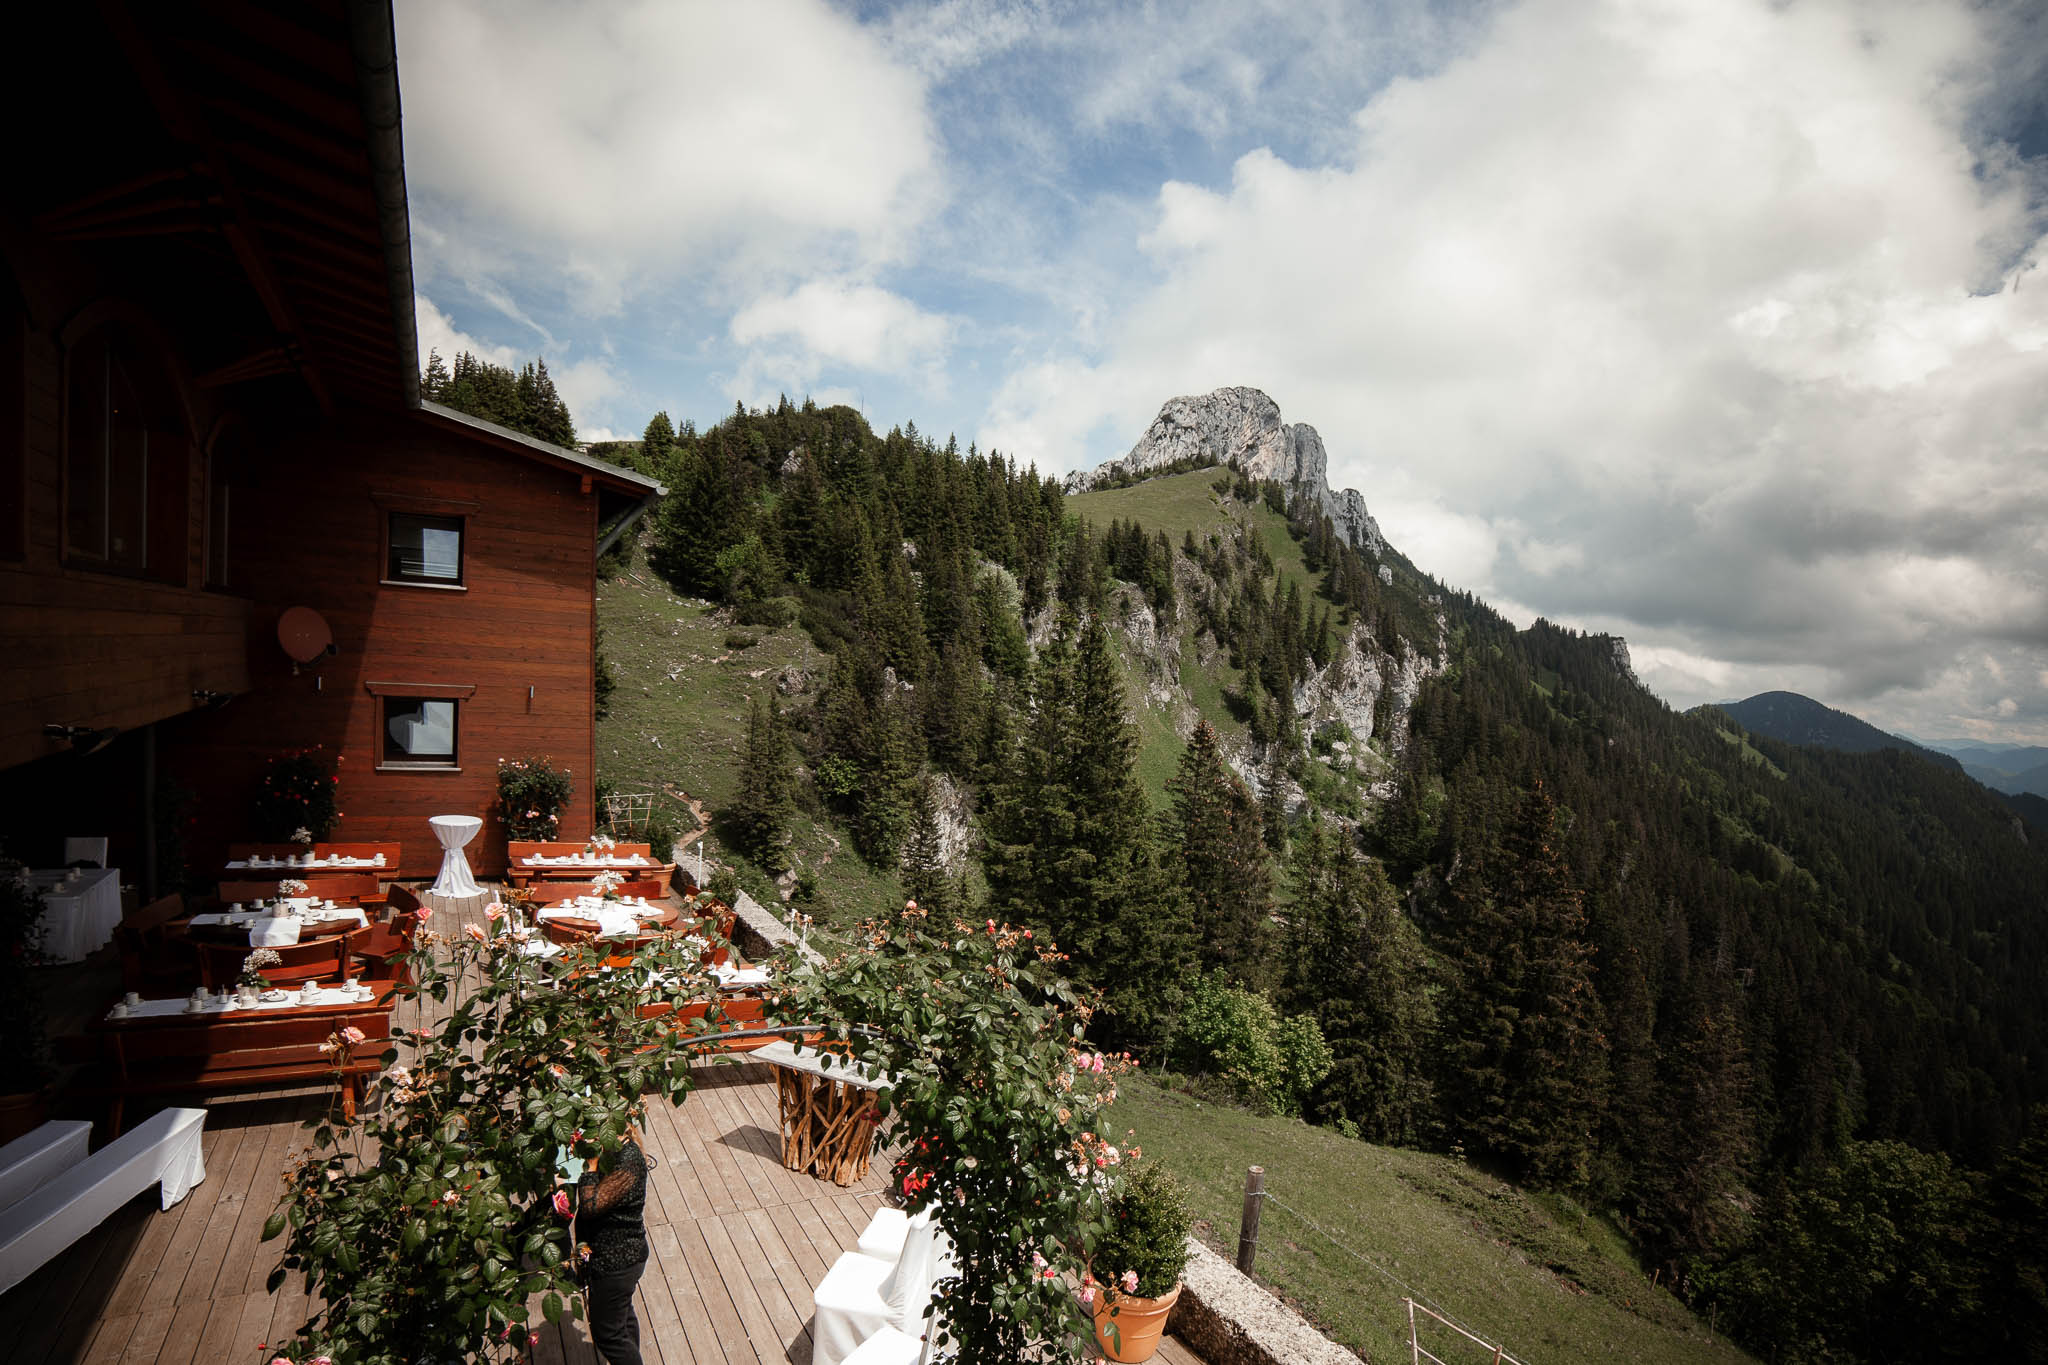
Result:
36,1158
577,860
280,931
214,1004
163,1149
454,831
79,916
611,917
282,865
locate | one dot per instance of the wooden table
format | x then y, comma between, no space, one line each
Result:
665,921
238,1049
239,933
828,1117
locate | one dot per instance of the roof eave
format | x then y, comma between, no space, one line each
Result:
569,461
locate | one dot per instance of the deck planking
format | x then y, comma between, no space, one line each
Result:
736,1242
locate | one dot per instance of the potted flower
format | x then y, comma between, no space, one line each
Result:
532,795
249,986
296,797
1138,1261
24,1065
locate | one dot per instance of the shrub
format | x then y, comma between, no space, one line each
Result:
997,1107
23,1049
426,1227
296,793
741,639
773,612
1237,1036
531,797
1146,1221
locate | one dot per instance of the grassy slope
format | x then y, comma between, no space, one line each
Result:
1551,1284
700,718
1176,505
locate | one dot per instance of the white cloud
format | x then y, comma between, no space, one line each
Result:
649,138
1718,294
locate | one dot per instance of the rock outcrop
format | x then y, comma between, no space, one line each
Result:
1241,427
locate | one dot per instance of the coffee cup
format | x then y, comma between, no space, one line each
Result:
132,998
120,1010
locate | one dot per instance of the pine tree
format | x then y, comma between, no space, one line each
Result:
760,813
1217,835
434,382
655,442
925,878
1526,1058
1357,966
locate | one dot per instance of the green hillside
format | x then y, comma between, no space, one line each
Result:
1533,1275
678,718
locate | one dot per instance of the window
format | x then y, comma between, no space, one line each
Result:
424,549
125,465
420,732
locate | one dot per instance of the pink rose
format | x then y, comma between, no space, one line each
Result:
533,1338
475,931
352,1036
1130,1282
562,1203
424,914
1087,1294
494,912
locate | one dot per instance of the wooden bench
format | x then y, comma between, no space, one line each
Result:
153,958
215,1053
517,851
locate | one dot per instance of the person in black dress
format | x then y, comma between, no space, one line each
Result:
608,1221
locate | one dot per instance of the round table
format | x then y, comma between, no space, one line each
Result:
663,923
454,831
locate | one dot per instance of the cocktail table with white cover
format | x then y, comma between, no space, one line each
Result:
454,831
79,913
163,1150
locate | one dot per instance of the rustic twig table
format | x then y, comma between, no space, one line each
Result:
828,1115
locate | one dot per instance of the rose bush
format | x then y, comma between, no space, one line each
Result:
532,794
426,1227
998,1106
296,796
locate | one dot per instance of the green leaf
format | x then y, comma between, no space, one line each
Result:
273,1225
551,1307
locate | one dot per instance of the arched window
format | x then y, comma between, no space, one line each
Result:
127,462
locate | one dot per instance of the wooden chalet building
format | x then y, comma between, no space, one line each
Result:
210,415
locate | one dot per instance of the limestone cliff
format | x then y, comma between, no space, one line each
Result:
1241,427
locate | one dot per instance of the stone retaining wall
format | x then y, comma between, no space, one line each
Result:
1226,1318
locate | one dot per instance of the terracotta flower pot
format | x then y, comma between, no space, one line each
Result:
1127,1327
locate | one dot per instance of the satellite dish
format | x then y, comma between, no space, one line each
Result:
304,634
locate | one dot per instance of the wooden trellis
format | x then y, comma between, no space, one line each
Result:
629,813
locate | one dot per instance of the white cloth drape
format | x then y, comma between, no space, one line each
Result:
78,915
164,1149
35,1158
454,831
860,1295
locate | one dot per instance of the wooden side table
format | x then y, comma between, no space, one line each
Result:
828,1116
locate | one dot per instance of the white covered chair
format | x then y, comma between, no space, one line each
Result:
883,1236
888,1347
92,851
860,1295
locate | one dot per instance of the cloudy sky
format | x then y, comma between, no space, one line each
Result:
1722,325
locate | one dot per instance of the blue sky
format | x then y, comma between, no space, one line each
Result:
1714,323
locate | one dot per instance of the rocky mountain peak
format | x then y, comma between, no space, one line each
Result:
1241,427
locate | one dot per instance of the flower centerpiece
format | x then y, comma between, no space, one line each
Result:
600,846
251,983
296,796
1139,1259
607,883
532,794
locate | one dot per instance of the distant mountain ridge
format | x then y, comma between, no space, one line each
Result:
1241,427
2015,769
1797,719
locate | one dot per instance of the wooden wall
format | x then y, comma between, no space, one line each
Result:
309,519
94,649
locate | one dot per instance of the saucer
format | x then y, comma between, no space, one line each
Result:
273,995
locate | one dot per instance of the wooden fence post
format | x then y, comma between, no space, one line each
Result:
1248,1228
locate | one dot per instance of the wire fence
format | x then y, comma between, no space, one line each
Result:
1411,1297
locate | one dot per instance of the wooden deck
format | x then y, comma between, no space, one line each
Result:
736,1241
